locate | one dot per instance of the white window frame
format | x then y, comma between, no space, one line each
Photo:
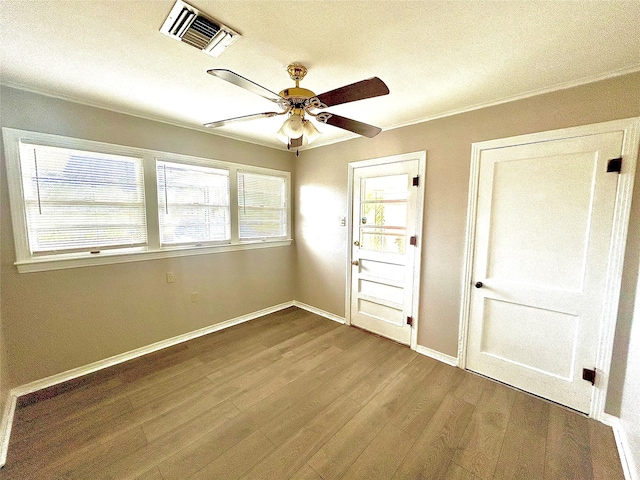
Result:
26,262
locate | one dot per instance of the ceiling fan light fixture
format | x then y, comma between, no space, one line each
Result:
280,135
310,131
293,126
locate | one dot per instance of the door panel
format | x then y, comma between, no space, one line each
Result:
384,218
544,224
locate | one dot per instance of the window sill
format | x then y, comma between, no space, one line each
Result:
43,264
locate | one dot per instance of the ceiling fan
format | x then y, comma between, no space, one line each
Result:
296,102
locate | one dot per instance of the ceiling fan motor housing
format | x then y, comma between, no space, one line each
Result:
297,95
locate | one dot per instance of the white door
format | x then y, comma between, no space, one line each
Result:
383,258
543,233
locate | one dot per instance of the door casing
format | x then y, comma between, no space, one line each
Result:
421,157
622,211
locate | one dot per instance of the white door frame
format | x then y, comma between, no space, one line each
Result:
422,159
631,129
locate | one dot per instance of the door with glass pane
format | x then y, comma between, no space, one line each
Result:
382,256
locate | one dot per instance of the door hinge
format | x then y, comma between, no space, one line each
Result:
589,375
410,321
416,180
614,165
413,240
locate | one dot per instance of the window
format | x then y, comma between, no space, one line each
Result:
193,204
262,206
76,203
76,200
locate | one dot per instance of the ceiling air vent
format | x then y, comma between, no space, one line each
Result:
189,25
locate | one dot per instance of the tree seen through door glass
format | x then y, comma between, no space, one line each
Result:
384,213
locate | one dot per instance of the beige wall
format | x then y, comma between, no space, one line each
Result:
58,320
321,179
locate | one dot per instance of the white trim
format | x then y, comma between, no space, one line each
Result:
631,129
421,157
470,239
6,422
629,469
441,357
318,311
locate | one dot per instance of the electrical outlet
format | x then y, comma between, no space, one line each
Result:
171,277
195,297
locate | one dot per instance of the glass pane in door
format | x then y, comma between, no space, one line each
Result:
383,213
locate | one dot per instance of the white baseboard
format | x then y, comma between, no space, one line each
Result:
442,357
317,311
6,422
7,415
629,467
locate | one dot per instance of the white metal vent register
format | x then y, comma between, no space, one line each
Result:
187,24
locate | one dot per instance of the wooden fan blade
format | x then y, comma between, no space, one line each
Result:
372,87
348,124
247,84
221,123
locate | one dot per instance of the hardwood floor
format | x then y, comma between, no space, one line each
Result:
295,396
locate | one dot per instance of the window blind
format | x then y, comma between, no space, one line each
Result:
262,206
193,204
79,201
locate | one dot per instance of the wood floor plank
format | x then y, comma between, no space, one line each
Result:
161,424
153,474
523,449
418,409
59,407
343,374
202,451
76,411
568,451
257,392
480,446
306,473
456,472
238,459
294,395
158,451
337,455
604,454
470,388
292,454
433,451
379,377
87,461
42,449
382,457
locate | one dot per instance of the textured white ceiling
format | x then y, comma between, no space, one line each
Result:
436,57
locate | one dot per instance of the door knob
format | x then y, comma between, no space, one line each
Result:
479,284
356,243
354,262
